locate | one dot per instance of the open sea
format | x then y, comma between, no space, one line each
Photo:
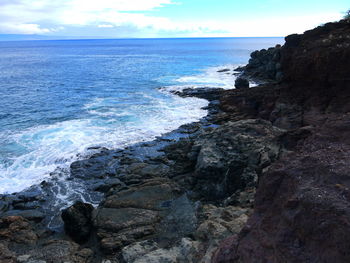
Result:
60,98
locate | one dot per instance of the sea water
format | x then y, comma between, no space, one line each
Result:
59,99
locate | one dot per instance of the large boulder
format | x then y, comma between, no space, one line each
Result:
241,83
78,221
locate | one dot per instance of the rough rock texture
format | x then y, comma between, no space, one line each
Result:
78,221
241,83
302,202
142,212
264,65
231,157
186,196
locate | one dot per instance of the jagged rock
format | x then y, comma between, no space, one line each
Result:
186,251
233,155
6,255
60,251
241,83
302,201
17,229
78,221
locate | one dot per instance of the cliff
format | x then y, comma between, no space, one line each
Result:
301,211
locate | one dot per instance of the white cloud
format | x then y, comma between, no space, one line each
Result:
47,16
23,28
105,26
26,16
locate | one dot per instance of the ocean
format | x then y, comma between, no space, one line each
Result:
61,99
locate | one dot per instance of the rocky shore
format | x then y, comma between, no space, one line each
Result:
263,178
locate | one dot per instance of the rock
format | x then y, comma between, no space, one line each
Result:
78,221
241,83
157,209
264,64
146,196
6,255
31,215
110,183
23,258
149,252
132,252
223,70
60,251
119,227
302,201
17,229
218,224
232,156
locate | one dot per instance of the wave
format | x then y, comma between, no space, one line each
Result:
48,147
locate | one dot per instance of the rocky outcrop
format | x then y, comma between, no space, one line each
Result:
301,211
241,83
231,157
262,178
264,65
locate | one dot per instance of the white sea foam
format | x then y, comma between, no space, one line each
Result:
51,146
212,77
48,147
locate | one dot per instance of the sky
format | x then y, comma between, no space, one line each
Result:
166,18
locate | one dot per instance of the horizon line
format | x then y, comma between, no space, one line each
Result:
63,38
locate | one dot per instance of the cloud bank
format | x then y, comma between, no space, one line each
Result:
123,18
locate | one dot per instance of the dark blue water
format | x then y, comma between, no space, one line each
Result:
58,98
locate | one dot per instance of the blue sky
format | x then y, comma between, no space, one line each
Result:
166,18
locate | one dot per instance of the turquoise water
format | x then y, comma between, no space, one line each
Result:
58,98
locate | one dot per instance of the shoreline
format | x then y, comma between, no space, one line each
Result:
266,178
24,202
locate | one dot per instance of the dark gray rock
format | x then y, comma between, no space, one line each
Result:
223,70
78,221
233,155
31,215
241,83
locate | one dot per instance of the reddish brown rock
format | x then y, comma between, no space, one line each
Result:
302,206
17,229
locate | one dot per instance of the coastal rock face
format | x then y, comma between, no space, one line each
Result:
301,211
316,66
264,65
231,157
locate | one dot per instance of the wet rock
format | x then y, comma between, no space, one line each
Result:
110,183
209,94
78,221
223,70
241,83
